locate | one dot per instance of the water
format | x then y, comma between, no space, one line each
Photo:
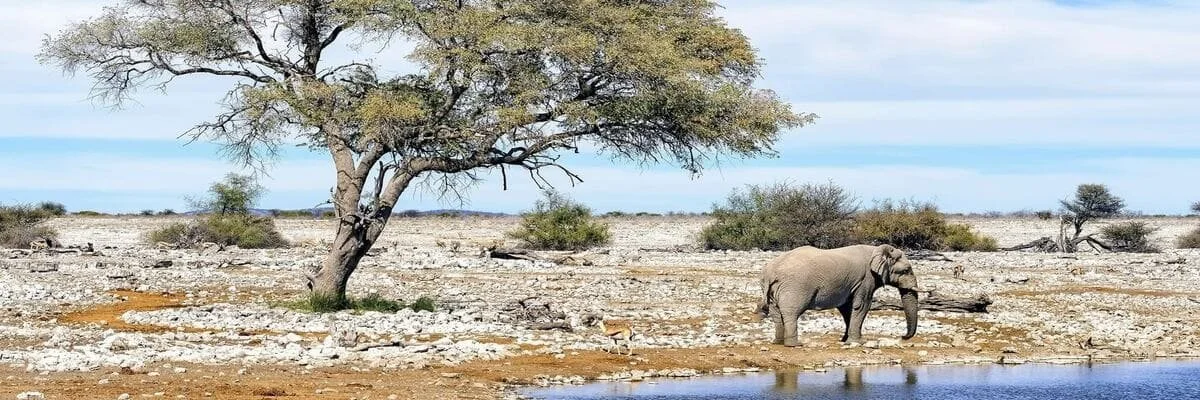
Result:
1159,380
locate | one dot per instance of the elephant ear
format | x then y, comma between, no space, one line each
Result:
883,258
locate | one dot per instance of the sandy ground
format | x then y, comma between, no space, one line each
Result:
691,307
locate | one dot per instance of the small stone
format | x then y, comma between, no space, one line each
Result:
30,396
124,396
180,370
922,353
102,382
153,373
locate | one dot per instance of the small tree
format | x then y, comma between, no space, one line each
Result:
1196,207
558,223
782,216
234,195
1092,201
905,224
495,85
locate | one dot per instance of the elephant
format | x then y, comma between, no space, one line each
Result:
808,278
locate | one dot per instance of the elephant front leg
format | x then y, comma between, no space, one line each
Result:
854,327
846,310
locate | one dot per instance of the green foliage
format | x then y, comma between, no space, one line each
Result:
234,195
55,209
166,212
424,303
146,213
615,214
959,237
1045,215
321,303
89,213
1130,236
1191,240
295,214
1092,201
244,231
782,217
905,224
558,223
22,224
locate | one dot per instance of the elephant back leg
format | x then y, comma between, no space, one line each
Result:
777,319
791,306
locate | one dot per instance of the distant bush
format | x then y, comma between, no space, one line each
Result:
55,209
959,237
1191,240
242,230
167,212
410,214
782,216
89,213
615,214
295,214
905,224
146,213
1196,207
1045,215
1130,236
558,223
22,224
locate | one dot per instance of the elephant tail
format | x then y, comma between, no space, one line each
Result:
768,288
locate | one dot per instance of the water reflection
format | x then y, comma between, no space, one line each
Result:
1161,380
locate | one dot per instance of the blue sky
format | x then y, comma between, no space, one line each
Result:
977,105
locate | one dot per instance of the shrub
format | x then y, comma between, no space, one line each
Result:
959,237
22,224
782,217
55,209
242,230
1130,236
88,213
1045,215
146,213
905,224
1196,207
1191,240
558,223
424,303
234,195
409,214
167,212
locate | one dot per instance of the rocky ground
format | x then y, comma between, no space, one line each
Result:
139,322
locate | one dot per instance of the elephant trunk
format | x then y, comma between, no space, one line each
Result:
908,301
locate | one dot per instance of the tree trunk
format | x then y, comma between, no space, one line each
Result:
351,244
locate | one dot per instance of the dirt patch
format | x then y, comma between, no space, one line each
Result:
109,315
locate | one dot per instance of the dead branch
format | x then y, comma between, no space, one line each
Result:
935,302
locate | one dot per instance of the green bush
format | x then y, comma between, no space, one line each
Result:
959,237
558,223
905,224
242,230
1191,240
782,217
146,213
1045,215
1129,236
22,224
88,213
424,303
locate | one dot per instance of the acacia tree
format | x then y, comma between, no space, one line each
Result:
498,84
232,196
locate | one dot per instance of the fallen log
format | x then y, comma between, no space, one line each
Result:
935,302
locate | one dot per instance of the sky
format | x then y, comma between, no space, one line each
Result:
974,105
